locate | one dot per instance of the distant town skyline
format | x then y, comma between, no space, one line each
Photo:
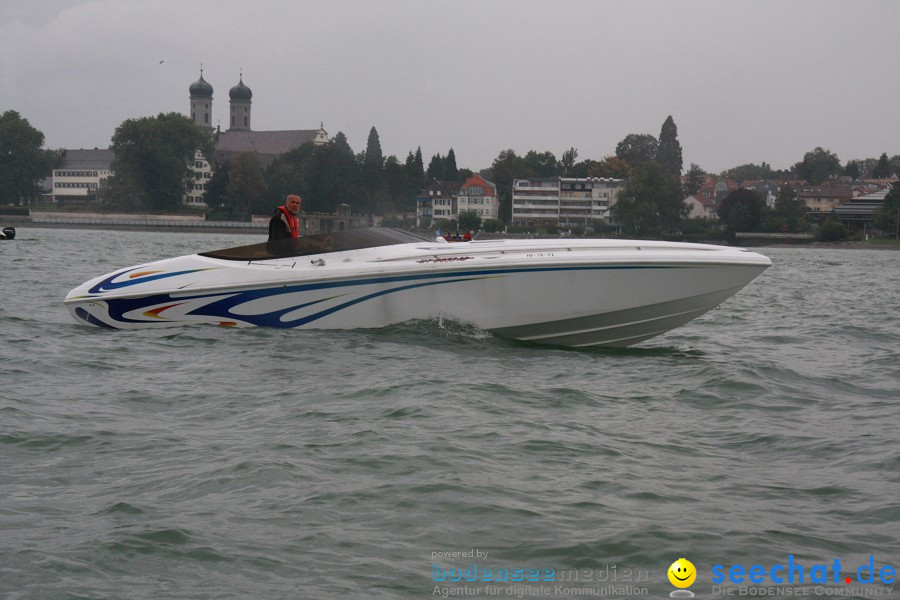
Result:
745,82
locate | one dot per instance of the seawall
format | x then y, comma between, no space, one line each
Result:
132,222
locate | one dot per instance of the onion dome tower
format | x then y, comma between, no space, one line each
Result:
240,106
201,103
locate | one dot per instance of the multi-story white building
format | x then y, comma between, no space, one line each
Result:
80,174
535,201
202,174
564,201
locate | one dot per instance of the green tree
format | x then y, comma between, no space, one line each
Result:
852,169
437,169
217,191
579,169
23,161
866,167
506,168
818,165
341,181
300,171
748,171
442,168
312,170
374,169
418,170
887,217
651,203
153,158
883,168
668,154
396,186
541,164
694,180
468,220
415,175
284,176
492,225
790,211
742,210
567,163
832,230
451,171
611,166
324,175
637,148
245,193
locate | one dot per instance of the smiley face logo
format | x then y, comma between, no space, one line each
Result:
682,573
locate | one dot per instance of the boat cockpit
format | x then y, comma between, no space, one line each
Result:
321,243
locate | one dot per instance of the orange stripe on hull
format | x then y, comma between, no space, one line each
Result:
155,312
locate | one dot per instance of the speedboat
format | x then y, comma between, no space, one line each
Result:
567,292
8,233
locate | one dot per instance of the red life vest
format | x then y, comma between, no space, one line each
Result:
292,220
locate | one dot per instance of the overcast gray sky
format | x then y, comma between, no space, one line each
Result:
746,81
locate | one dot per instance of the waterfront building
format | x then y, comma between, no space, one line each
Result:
479,195
80,175
437,201
701,207
862,209
564,201
825,197
715,189
203,171
447,199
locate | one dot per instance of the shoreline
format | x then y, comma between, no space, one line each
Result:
834,246
245,228
241,227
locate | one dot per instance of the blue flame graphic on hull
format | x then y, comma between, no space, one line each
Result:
108,285
220,306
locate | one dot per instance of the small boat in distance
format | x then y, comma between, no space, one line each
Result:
8,233
567,292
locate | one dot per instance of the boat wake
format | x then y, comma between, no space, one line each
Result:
443,329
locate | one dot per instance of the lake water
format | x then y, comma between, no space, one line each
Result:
216,463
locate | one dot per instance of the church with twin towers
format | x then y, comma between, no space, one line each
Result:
240,136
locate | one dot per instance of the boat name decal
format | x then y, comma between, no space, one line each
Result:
445,259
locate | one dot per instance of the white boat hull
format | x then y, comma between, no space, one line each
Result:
570,293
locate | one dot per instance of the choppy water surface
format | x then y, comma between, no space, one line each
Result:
216,463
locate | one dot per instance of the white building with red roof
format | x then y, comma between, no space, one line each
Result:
479,195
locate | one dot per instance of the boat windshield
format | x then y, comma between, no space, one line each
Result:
321,243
